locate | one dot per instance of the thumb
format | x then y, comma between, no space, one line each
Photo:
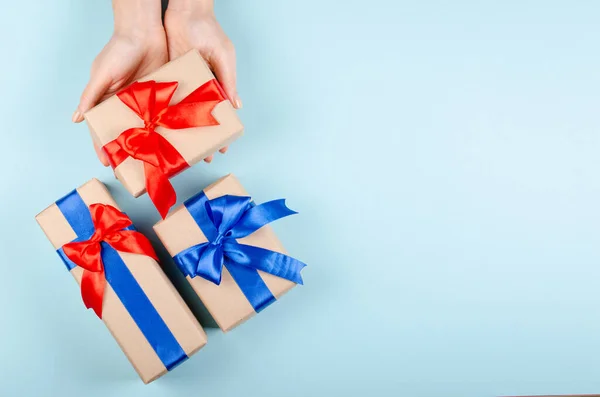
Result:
223,65
101,155
91,95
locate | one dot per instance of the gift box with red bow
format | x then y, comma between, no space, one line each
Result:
162,124
222,243
121,280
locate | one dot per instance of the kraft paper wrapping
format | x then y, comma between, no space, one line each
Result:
147,272
225,302
111,117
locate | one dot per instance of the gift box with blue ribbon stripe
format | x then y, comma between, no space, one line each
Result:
222,242
121,280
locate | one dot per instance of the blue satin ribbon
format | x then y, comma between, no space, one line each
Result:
223,220
126,287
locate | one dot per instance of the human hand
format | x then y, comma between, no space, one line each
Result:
138,46
192,24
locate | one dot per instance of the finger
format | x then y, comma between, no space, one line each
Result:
223,150
91,95
209,159
224,66
101,155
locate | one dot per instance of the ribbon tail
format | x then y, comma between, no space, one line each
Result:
209,91
92,290
159,189
260,215
271,262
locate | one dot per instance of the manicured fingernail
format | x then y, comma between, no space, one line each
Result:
208,159
77,117
223,150
237,102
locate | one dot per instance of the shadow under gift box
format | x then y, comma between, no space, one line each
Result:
110,118
225,302
183,332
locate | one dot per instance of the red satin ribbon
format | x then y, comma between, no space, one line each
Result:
150,101
108,222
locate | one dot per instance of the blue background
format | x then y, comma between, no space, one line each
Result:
444,159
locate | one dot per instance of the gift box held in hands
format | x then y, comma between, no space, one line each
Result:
121,280
223,244
162,124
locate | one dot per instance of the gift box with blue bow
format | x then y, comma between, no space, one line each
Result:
221,241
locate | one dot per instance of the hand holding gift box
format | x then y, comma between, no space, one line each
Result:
162,124
121,280
222,243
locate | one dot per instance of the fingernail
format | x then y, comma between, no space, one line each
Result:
208,159
237,102
77,117
223,150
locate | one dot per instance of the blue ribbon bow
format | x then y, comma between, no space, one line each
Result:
223,220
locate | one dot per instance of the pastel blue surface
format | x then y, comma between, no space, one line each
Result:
443,156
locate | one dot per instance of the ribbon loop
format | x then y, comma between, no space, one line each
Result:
108,220
211,255
148,98
85,254
226,211
150,101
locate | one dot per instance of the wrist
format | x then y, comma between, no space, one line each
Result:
136,18
192,8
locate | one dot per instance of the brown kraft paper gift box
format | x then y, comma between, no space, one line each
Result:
147,272
225,302
111,117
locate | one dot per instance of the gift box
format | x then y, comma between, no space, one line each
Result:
222,243
162,124
121,280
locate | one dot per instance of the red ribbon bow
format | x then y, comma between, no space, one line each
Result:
108,222
150,101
